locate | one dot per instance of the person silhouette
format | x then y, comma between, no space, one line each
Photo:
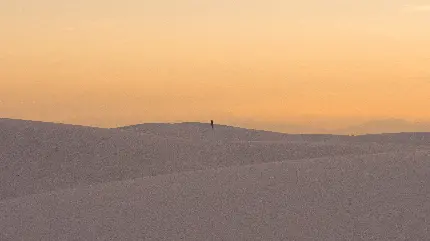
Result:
212,124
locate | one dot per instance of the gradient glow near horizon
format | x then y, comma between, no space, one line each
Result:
112,63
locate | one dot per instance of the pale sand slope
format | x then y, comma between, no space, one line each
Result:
370,197
37,157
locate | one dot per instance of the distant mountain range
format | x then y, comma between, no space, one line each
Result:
385,126
370,127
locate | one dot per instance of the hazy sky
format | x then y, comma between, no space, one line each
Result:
109,63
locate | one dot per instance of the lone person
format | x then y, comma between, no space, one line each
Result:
212,124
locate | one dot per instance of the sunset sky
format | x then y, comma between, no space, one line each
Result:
112,63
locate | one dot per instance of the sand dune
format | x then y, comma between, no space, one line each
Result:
372,197
185,182
37,157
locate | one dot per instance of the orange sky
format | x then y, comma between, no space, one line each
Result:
125,62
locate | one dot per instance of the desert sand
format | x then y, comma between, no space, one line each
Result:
189,182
